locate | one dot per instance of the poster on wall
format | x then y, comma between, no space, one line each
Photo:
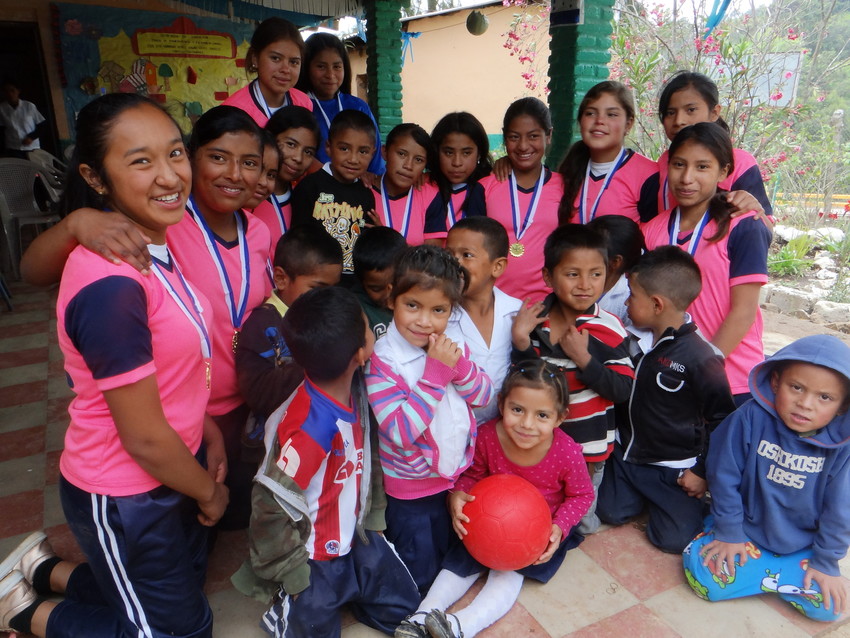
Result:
187,63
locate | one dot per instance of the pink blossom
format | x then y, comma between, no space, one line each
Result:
788,74
821,98
792,35
776,96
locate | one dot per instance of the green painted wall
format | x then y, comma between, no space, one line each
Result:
578,59
383,69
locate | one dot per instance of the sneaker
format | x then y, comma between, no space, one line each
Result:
16,594
32,552
439,626
409,628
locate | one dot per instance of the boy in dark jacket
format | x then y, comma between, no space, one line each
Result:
680,395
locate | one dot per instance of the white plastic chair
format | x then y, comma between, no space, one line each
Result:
18,207
54,173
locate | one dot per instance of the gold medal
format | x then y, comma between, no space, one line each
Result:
235,341
517,249
208,373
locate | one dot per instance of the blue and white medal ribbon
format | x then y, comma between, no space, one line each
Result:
388,217
517,249
696,235
278,208
318,103
583,215
260,99
451,220
665,193
237,307
196,318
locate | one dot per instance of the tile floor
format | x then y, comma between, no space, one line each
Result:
614,584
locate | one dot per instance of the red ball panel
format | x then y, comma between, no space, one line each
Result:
509,522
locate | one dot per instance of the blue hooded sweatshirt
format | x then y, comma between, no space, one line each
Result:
783,491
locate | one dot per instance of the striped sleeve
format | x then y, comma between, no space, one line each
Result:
404,414
471,382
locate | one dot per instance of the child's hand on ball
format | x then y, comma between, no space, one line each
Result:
554,541
456,502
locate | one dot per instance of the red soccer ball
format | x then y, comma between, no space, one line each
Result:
509,523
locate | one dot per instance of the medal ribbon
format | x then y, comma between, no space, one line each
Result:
322,111
260,99
237,308
521,226
451,220
665,194
197,320
696,235
388,218
278,207
583,216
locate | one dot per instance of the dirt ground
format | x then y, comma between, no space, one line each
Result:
780,330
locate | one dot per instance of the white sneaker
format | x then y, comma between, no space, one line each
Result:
29,554
16,594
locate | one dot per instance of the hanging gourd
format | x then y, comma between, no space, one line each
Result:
477,23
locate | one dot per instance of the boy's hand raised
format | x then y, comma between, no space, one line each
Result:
443,349
574,344
525,321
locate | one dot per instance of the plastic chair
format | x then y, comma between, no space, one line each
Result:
54,173
18,206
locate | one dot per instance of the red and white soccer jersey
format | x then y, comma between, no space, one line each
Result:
321,449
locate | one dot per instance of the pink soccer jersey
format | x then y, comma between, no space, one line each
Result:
187,243
623,193
276,216
115,328
245,99
739,258
523,278
745,176
407,215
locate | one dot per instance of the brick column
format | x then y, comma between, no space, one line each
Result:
578,59
383,67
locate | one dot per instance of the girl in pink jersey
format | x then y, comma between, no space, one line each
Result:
460,156
731,253
527,442
137,353
225,251
689,98
268,174
526,204
399,204
602,176
423,386
275,55
296,134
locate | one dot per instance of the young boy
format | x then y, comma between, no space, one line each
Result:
335,196
779,471
317,515
480,244
374,266
680,395
569,329
305,258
